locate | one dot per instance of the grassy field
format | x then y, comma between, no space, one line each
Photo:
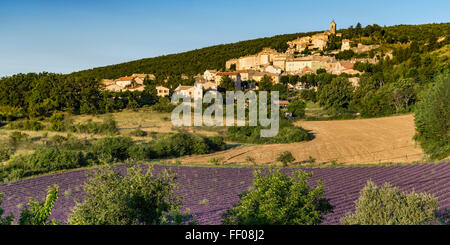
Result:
314,110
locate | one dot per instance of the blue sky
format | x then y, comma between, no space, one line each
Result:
65,36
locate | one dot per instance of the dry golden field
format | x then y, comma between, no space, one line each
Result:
376,140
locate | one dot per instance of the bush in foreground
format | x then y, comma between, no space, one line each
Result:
37,213
134,199
279,199
387,205
7,220
34,213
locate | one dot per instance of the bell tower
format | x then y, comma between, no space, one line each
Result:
333,27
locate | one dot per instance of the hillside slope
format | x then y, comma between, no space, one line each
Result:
214,57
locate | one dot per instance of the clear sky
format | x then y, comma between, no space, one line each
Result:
71,35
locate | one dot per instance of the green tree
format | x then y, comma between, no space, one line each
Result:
279,199
403,94
58,122
297,108
134,199
432,118
227,83
285,81
266,83
387,205
337,95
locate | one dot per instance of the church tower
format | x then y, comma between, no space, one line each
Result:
333,27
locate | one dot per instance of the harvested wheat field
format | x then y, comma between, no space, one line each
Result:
375,140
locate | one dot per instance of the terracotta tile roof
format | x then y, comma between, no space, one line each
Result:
182,87
125,78
306,69
135,87
227,73
347,64
282,102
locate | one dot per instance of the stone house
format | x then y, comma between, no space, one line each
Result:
209,75
162,91
257,76
114,88
234,75
345,45
138,87
124,81
194,92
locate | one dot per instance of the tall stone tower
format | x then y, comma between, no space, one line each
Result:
333,27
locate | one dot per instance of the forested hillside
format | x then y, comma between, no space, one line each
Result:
197,61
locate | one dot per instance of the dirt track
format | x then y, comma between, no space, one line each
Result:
377,140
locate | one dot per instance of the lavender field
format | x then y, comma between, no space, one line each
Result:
209,191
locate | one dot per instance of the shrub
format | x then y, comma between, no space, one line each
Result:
112,149
279,199
309,95
286,158
107,127
141,152
134,199
311,160
250,159
5,153
181,144
43,160
432,119
37,213
70,142
17,138
27,124
290,135
386,205
216,143
216,160
297,108
163,105
58,122
138,133
51,159
6,220
286,134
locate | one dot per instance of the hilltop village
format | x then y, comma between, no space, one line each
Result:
304,55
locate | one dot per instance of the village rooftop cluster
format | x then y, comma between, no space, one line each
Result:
305,55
